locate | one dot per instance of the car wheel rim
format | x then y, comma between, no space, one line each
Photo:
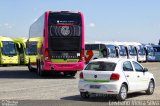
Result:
123,92
151,87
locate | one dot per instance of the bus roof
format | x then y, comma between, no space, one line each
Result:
4,38
35,39
20,39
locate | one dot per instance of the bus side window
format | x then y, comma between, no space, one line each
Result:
104,50
155,49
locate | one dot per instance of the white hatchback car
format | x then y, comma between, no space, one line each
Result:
115,76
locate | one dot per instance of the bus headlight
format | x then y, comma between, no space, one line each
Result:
3,59
26,59
47,58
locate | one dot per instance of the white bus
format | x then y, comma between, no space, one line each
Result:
95,51
116,50
131,50
141,53
150,53
122,50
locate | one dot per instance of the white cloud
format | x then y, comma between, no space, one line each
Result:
7,25
92,25
10,27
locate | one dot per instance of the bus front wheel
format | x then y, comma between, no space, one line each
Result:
73,73
29,66
39,69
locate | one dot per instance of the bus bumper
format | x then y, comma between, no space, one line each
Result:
9,60
64,66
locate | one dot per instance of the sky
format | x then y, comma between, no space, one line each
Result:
105,20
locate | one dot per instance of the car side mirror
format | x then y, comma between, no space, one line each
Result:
145,70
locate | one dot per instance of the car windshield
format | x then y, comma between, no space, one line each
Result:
101,66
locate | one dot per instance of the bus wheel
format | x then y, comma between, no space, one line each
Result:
29,66
39,69
73,73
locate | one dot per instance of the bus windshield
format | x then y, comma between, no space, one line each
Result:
150,51
132,50
9,48
157,49
64,31
31,48
112,50
141,50
122,50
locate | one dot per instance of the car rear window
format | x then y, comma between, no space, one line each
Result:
101,66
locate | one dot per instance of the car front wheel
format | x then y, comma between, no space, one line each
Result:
151,87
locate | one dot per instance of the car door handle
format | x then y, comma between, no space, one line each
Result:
138,76
127,75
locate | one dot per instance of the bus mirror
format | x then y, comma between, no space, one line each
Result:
1,44
25,46
39,44
27,43
19,46
105,52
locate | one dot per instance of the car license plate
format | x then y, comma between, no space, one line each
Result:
95,86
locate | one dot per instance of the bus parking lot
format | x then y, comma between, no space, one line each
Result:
17,83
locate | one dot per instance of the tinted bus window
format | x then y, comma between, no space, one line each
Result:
112,50
92,46
122,50
156,49
132,50
32,48
150,50
64,31
141,50
9,48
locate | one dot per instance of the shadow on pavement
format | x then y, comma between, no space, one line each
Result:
25,74
102,97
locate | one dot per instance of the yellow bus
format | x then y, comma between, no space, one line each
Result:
28,50
8,51
33,46
22,50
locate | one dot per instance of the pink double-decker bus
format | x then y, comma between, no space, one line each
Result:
61,42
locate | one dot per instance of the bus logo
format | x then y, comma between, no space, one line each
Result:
89,55
65,30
